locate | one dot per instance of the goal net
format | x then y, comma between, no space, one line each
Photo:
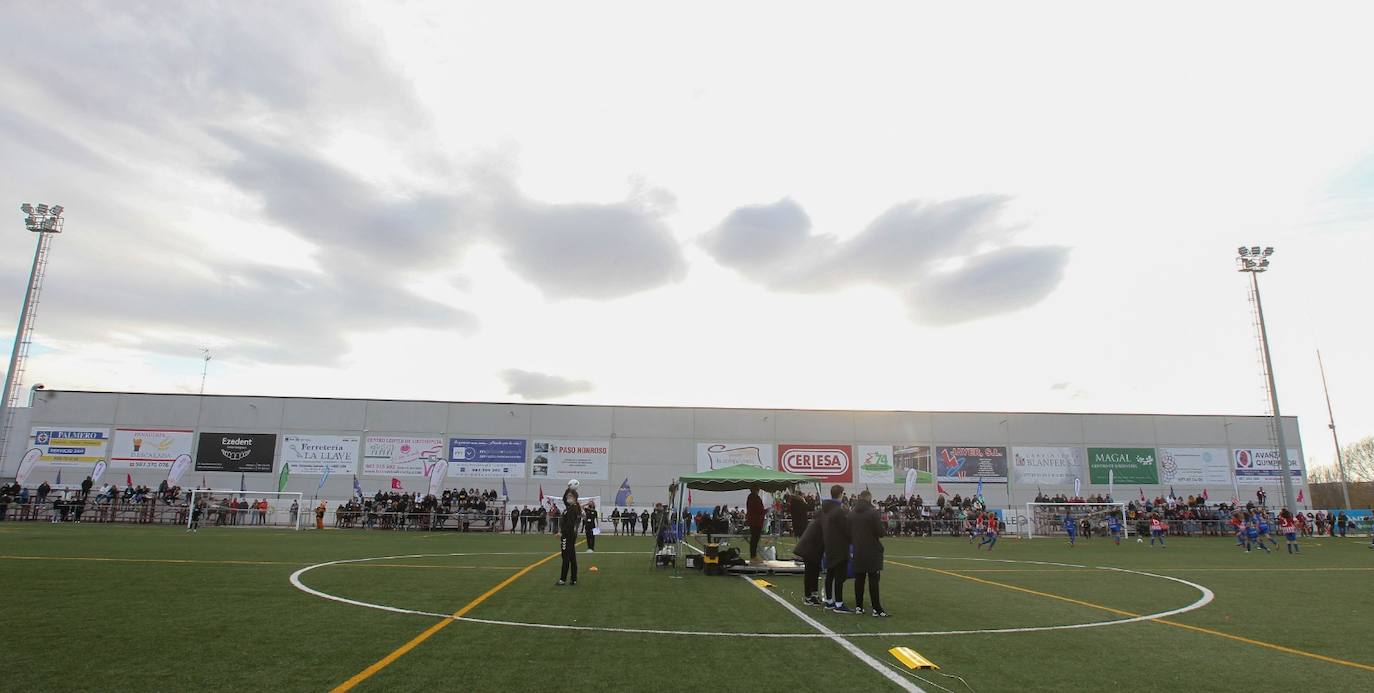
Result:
1090,519
230,508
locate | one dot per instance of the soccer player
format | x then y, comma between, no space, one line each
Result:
1156,530
567,537
1289,529
1252,533
1114,526
973,524
1238,526
1070,528
989,531
1263,520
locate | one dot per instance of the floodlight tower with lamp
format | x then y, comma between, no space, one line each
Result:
1254,260
46,222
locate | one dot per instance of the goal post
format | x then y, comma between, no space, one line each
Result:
1047,519
235,508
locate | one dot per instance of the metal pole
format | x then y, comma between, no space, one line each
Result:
6,408
1340,459
1289,501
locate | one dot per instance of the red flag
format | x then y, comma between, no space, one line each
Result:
940,489
395,484
1204,494
689,497
541,494
128,479
1299,495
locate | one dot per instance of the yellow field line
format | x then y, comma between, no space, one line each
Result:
192,561
1108,609
396,654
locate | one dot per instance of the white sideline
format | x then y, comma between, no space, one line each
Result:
851,647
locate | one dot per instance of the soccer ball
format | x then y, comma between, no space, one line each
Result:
573,483
1138,540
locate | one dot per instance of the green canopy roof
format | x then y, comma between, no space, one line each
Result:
743,476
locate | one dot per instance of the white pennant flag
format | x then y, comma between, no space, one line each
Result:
436,477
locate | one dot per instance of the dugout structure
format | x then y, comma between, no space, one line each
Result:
739,477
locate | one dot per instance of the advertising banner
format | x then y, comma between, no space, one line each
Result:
149,448
70,447
833,464
1196,466
570,459
1130,465
1044,465
1261,466
492,458
312,455
720,455
236,452
908,457
970,464
401,455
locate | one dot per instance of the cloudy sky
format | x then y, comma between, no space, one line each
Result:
1021,206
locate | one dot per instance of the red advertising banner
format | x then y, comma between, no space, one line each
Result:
832,463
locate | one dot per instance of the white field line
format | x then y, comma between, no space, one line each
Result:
848,646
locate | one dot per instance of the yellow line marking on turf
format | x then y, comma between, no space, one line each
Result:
1196,629
396,654
192,561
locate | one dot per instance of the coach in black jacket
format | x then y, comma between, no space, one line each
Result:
835,528
810,547
866,532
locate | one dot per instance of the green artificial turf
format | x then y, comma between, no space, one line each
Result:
216,611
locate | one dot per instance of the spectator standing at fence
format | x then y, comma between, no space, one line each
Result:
86,485
615,520
644,522
835,529
319,514
567,538
866,533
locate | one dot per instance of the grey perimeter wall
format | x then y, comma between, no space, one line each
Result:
648,445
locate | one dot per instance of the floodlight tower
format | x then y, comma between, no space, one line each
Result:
46,222
1253,260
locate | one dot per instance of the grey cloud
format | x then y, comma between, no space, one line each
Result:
999,281
336,210
901,250
593,251
536,386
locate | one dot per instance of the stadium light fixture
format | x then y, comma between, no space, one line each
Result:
1253,268
1243,251
26,208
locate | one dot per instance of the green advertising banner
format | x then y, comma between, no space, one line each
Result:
1131,465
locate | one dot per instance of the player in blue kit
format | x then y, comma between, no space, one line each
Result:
1252,533
1264,528
1071,528
1114,526
989,531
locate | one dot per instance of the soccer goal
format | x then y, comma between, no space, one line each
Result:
1047,519
230,508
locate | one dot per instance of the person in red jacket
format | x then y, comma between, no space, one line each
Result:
753,518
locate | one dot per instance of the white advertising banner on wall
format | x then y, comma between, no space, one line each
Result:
720,455
1261,466
69,446
1195,466
873,464
149,448
570,459
1046,465
315,454
401,455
